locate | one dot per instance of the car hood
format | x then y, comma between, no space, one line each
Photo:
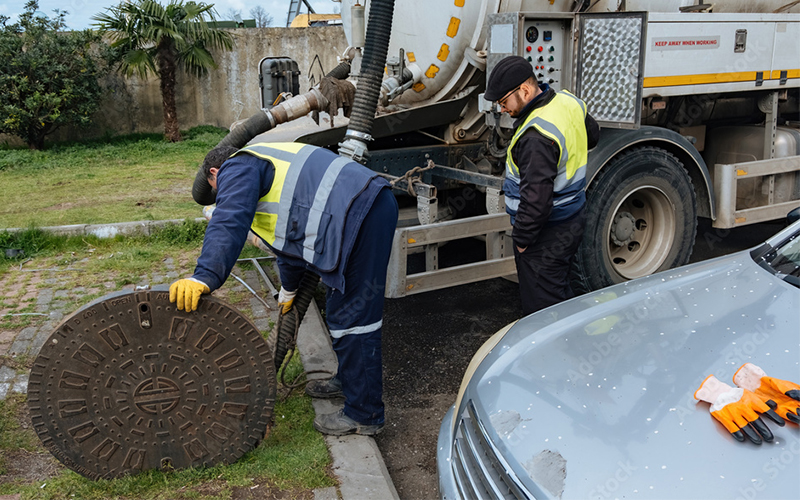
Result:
594,397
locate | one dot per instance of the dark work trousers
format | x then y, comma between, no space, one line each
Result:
543,268
355,317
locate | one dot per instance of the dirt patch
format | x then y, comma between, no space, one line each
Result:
29,466
428,341
260,490
265,492
25,465
59,206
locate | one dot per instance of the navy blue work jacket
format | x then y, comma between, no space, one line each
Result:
241,182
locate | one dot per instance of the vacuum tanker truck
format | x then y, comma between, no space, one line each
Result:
698,103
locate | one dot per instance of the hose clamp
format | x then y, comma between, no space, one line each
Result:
355,134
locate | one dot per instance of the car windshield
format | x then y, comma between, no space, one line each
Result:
785,260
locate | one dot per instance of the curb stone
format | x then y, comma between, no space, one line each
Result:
142,227
357,461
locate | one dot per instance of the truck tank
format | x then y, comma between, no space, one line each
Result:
442,40
647,180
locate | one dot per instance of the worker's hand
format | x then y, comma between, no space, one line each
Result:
285,300
187,293
521,249
737,409
781,395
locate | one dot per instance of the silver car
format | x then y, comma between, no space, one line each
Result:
593,398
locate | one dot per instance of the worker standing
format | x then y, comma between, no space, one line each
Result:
321,212
545,178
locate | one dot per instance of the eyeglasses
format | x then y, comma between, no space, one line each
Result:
502,102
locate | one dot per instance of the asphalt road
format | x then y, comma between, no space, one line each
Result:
429,339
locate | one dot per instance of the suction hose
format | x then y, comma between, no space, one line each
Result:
263,121
379,31
289,323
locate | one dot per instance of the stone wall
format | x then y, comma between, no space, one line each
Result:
224,95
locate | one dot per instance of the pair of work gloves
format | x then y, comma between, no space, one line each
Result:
186,294
739,408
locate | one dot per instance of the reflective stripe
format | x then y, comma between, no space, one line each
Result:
267,151
552,131
287,193
561,201
512,204
563,180
317,208
270,207
356,330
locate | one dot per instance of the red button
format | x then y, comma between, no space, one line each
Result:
540,48
528,48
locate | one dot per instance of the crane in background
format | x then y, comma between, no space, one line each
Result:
294,10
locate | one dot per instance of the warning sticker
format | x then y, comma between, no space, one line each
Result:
686,43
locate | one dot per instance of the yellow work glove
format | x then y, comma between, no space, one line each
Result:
285,300
781,395
737,409
187,293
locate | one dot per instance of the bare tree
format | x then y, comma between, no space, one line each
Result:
232,13
263,19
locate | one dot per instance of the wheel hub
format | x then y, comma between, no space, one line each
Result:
622,228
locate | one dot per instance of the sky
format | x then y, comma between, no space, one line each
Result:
81,11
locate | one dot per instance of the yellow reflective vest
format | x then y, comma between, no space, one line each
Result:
304,212
563,121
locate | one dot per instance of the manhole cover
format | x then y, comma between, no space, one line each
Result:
129,383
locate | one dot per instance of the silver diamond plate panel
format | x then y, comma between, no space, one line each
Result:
505,19
610,66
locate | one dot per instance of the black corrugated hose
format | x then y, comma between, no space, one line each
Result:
288,323
376,46
340,72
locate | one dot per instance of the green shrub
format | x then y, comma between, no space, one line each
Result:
48,77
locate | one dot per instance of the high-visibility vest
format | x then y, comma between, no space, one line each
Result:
304,212
563,121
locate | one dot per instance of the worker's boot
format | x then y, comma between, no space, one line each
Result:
325,388
339,424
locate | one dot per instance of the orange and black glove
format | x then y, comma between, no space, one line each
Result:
737,409
186,293
781,395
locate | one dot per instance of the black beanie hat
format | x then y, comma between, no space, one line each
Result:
508,74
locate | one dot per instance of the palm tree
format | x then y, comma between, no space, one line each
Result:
150,37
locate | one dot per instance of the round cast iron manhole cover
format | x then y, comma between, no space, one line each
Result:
129,383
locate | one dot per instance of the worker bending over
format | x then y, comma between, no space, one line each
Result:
545,178
321,212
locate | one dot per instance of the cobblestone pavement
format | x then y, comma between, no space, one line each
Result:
55,297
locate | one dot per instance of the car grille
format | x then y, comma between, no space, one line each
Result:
479,471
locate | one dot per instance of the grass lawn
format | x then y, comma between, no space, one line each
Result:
104,182
127,178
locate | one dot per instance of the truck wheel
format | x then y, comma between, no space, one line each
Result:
641,218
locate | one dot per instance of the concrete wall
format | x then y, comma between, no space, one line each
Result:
223,96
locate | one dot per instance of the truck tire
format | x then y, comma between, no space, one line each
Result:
641,218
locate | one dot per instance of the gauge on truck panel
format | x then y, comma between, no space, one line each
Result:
532,34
